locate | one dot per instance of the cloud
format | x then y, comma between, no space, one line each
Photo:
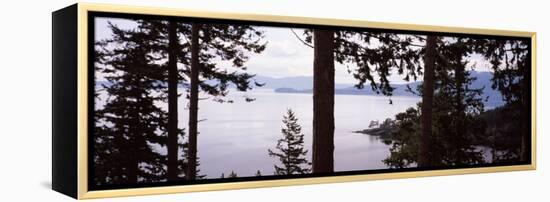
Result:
284,56
102,30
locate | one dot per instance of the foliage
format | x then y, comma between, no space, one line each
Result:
232,175
503,133
290,150
456,121
375,52
130,124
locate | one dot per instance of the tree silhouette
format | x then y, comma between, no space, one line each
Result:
193,102
504,133
210,42
172,142
129,123
323,101
199,71
290,149
456,122
163,40
370,52
232,175
510,61
426,142
405,139
464,104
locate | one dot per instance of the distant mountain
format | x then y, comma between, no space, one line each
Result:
400,90
304,84
295,82
100,84
491,98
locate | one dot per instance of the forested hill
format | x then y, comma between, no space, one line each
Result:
303,84
492,98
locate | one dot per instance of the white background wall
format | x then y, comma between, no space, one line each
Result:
25,99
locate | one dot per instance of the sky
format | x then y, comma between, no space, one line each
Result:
285,55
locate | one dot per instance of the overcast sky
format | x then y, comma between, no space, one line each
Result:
284,56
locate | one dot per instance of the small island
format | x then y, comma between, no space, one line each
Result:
382,130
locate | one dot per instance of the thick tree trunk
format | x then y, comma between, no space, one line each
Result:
525,115
193,103
323,101
132,154
132,151
132,170
460,113
172,144
424,152
525,140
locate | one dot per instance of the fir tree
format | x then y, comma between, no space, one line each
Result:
173,173
462,102
425,147
290,149
232,175
370,52
177,42
209,43
456,123
405,139
129,123
510,62
258,173
323,104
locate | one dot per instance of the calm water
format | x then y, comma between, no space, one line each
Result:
236,136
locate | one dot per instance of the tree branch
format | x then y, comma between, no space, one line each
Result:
298,37
411,44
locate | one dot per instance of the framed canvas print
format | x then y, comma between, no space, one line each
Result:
157,100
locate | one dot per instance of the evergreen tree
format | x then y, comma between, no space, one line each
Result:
503,133
172,141
258,173
369,52
211,42
463,103
425,147
162,41
199,48
165,40
323,103
232,175
510,61
193,101
290,149
405,139
456,123
129,123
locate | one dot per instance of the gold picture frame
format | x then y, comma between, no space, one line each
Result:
82,156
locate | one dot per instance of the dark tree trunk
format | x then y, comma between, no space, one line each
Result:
132,148
323,101
172,144
132,161
460,112
132,170
525,115
424,152
193,103
525,139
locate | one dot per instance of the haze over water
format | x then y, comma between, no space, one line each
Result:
236,136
